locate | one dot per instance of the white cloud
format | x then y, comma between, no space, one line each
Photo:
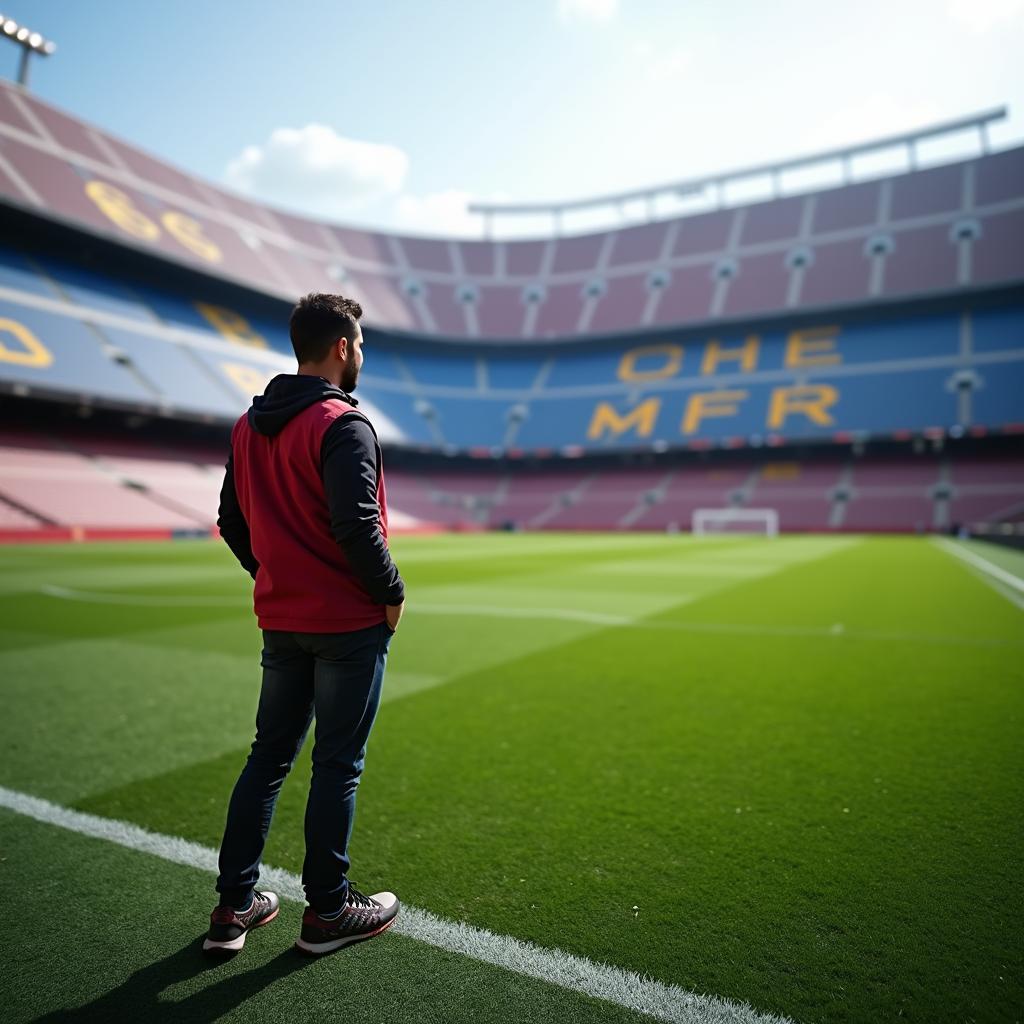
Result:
982,15
439,213
317,170
587,10
669,67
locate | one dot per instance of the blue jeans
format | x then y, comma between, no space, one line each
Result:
337,677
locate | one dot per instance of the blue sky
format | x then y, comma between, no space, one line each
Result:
396,113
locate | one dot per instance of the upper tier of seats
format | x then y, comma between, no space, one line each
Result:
75,334
934,231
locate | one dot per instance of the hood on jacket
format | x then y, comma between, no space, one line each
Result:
286,396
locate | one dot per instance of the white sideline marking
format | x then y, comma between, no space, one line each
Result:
601,981
989,568
1008,593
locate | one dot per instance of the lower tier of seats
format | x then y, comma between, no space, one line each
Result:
106,485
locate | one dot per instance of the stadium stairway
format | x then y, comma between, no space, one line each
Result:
15,516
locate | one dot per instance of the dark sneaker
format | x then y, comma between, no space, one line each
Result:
361,918
228,927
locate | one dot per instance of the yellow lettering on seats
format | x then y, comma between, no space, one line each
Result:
815,346
746,355
119,208
642,419
780,471
250,380
810,399
232,325
30,351
671,354
190,233
710,403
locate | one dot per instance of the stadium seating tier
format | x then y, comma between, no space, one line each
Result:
87,337
110,482
935,230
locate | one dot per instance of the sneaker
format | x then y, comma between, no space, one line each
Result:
228,927
361,918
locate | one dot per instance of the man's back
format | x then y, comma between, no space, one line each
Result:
304,582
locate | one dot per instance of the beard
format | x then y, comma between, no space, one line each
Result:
349,377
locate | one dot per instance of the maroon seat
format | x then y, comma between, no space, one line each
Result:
923,260
427,254
622,305
839,272
477,258
641,244
761,284
840,209
559,313
500,311
447,311
577,254
523,259
936,190
770,222
999,177
999,253
687,297
703,233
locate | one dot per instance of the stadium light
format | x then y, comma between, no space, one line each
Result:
29,41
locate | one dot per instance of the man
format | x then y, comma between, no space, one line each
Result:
304,510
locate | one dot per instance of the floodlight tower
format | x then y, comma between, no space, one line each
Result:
29,41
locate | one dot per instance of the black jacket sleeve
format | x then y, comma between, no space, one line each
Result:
233,527
348,455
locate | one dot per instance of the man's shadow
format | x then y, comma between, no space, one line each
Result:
137,998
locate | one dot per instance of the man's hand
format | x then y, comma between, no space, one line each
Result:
394,615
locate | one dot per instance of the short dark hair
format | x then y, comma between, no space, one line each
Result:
318,321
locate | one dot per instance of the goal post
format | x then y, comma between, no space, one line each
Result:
715,521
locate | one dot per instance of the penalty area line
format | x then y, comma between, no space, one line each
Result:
555,967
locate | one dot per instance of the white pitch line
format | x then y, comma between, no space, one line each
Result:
990,569
1010,596
600,981
499,612
573,615
181,600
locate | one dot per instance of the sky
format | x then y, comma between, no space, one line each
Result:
396,114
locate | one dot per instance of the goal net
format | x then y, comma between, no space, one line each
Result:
714,521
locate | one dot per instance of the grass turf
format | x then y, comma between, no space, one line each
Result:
799,759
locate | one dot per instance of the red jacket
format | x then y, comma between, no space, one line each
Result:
304,582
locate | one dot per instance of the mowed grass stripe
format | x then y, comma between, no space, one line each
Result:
599,981
687,772
476,610
76,727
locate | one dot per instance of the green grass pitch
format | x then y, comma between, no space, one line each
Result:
800,761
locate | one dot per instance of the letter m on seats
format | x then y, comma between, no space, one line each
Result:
607,420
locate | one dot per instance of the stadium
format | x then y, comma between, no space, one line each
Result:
711,528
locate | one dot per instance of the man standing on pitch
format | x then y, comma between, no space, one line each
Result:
304,510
